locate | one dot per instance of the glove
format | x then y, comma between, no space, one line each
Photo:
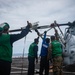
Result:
29,24
45,32
52,25
38,37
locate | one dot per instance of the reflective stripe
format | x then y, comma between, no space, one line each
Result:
45,46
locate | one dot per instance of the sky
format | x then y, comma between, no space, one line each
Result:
17,12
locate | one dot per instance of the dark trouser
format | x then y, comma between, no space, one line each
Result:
57,65
5,67
44,65
31,66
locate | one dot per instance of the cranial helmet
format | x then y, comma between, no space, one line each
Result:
4,25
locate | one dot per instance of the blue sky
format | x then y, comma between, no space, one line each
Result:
18,12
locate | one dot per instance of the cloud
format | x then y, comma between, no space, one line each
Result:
17,12
35,10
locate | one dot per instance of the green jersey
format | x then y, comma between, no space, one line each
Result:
31,50
56,48
5,48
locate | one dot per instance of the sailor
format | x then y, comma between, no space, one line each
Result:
56,55
44,62
6,44
33,56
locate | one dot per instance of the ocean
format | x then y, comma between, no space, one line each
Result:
20,55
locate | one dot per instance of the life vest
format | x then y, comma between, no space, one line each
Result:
31,50
5,48
56,48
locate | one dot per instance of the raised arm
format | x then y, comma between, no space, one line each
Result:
24,32
44,37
